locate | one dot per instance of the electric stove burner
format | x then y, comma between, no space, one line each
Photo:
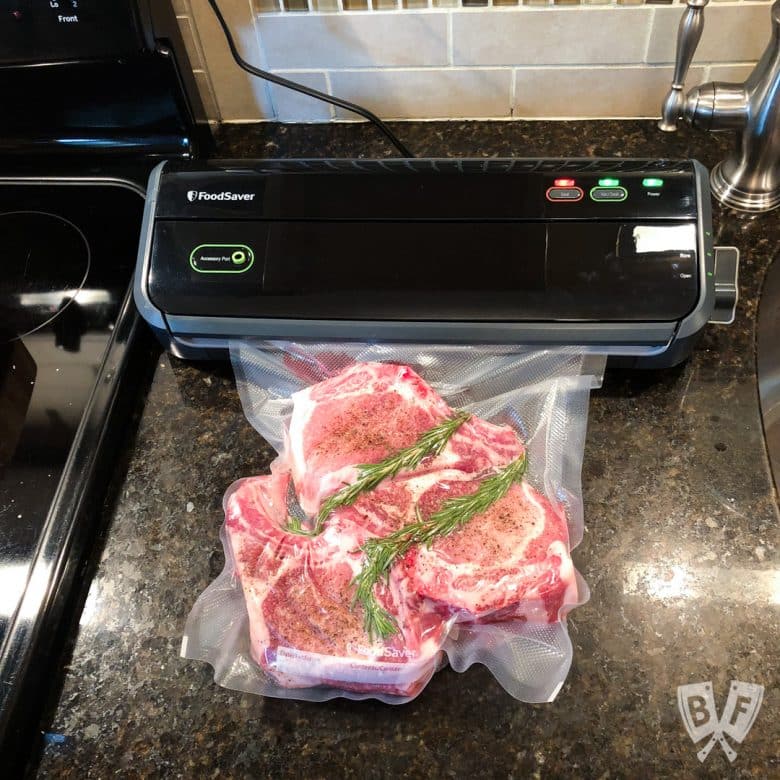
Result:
45,263
67,253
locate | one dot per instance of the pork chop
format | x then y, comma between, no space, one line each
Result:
511,561
370,411
303,629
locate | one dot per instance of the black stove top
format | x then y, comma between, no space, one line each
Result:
104,90
69,248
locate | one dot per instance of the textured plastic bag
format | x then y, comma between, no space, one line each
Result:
542,395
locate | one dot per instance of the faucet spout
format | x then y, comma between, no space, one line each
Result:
688,36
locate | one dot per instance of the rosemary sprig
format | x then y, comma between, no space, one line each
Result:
295,526
382,552
432,442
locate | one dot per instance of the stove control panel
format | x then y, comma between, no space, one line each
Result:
41,31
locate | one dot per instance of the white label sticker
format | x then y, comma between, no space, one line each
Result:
664,238
326,667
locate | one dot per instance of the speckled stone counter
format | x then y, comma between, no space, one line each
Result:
681,554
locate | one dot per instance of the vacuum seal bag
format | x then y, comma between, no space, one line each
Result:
422,510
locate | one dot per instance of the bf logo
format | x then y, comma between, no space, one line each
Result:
191,195
697,708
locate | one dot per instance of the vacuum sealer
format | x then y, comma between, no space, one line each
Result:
611,254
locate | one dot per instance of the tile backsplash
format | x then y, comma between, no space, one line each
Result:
461,59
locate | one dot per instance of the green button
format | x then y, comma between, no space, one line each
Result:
613,194
221,258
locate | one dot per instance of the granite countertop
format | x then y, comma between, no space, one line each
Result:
681,552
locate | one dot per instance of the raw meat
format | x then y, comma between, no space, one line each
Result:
303,630
369,411
511,561
358,416
394,502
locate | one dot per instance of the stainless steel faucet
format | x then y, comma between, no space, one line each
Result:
749,178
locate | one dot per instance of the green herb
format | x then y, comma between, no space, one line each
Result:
381,553
432,442
295,526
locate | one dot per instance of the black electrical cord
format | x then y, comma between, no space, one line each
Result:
282,82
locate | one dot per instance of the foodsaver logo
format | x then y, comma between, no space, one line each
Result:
193,195
383,651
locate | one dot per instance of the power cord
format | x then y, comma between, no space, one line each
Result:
282,82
